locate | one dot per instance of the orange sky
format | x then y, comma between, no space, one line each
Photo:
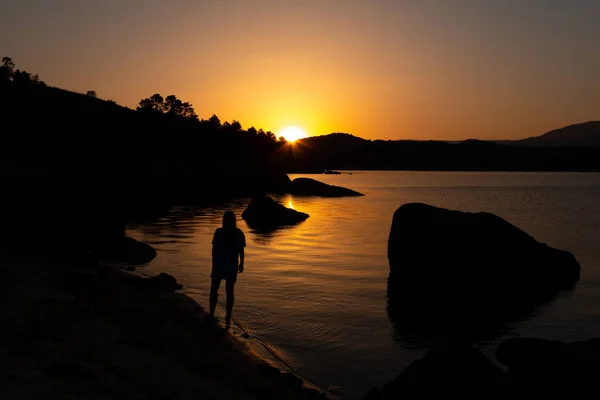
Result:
426,69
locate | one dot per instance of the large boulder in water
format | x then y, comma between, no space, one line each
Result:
459,273
312,187
265,213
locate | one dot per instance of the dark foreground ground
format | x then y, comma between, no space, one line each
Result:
127,340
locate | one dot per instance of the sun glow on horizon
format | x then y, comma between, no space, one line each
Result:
292,133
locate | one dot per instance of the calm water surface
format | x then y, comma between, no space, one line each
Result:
316,292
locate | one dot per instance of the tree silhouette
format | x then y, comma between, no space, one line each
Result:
6,72
213,122
21,78
170,105
174,106
188,111
7,68
91,93
35,80
12,77
154,103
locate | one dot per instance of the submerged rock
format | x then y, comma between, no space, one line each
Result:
264,212
312,187
551,365
162,281
455,273
126,250
448,370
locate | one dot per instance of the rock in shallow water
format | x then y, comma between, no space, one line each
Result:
312,187
454,273
264,212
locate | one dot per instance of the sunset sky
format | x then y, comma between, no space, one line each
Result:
381,69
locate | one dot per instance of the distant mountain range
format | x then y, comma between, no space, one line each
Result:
572,148
586,134
59,133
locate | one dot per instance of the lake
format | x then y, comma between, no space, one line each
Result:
315,293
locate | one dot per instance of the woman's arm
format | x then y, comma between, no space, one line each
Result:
214,242
241,267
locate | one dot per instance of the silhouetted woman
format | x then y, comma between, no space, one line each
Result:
228,243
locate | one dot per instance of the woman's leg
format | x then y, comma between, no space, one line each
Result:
214,295
229,286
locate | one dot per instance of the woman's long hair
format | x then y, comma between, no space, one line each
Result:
229,220
229,226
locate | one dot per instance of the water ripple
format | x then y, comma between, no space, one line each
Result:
314,294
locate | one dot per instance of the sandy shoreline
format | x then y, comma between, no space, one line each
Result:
126,341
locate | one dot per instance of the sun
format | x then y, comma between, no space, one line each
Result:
292,133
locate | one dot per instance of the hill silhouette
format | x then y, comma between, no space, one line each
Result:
347,152
163,145
586,134
52,132
75,168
